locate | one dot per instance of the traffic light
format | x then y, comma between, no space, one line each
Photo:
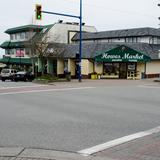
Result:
38,12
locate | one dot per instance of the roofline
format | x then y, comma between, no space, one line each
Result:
24,27
93,38
127,29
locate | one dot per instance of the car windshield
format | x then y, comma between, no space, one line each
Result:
5,71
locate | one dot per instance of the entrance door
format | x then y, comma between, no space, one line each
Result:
123,70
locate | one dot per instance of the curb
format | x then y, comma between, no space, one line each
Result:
19,153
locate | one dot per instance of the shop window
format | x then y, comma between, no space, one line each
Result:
111,68
131,66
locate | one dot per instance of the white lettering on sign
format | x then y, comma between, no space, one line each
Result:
126,56
107,56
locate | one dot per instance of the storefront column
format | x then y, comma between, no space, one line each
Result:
71,66
98,67
60,67
50,66
40,65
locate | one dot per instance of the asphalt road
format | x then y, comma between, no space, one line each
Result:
75,119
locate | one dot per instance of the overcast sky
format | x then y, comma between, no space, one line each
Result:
103,14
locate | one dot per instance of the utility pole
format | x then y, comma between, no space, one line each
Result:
80,43
39,16
158,6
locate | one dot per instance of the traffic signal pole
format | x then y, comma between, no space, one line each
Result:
80,34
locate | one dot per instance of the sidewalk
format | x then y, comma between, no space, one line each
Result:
146,148
42,154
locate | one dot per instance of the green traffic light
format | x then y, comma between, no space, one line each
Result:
39,17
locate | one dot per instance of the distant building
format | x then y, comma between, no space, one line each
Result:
120,54
17,49
20,49
128,53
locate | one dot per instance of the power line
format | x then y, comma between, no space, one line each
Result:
113,10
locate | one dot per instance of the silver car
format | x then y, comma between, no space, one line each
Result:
8,74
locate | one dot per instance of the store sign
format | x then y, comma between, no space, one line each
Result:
126,57
122,54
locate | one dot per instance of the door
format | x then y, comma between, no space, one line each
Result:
123,70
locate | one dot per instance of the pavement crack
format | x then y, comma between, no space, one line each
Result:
20,152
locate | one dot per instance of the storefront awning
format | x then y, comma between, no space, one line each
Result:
9,44
122,54
20,61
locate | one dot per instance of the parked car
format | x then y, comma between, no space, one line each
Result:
23,76
8,74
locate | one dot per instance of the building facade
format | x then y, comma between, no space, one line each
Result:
118,54
29,43
125,54
17,48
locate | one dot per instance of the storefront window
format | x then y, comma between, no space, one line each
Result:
131,66
111,68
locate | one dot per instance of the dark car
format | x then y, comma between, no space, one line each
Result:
23,76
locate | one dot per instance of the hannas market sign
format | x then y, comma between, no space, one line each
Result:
122,54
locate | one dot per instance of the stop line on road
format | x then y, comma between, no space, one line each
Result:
43,90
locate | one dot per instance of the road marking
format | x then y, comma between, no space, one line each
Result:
149,86
113,143
3,88
45,90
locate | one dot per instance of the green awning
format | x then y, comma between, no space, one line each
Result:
5,44
19,60
122,54
9,44
24,28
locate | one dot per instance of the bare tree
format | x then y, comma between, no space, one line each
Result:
42,49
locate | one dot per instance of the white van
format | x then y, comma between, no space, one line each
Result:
8,74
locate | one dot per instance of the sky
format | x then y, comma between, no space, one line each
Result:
103,14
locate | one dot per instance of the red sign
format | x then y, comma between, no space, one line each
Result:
20,53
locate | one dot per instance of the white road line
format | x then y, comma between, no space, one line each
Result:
3,88
118,141
46,90
149,86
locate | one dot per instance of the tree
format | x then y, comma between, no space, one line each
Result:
41,49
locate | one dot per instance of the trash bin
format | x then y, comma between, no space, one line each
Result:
68,76
93,76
